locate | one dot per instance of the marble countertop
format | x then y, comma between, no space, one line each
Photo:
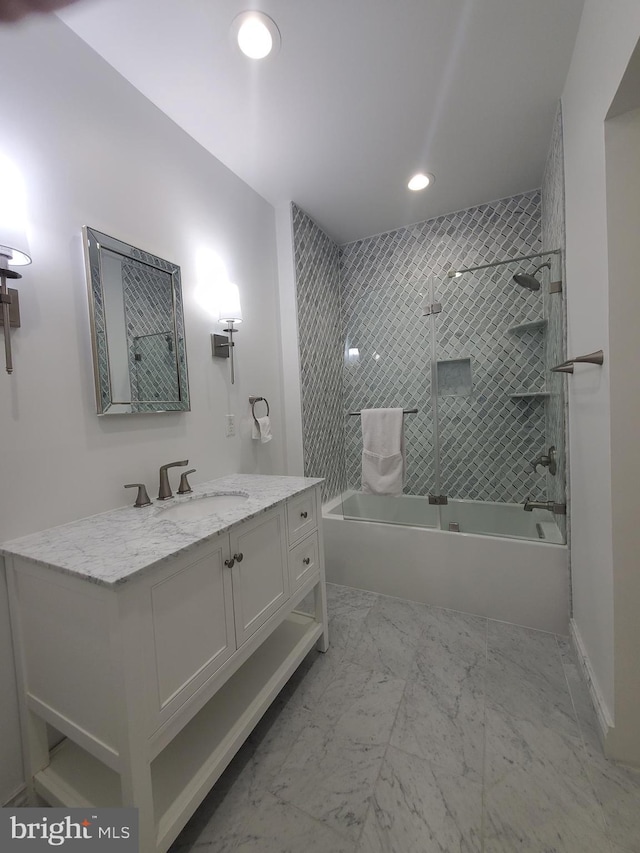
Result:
111,547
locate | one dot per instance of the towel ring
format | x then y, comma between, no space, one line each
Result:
253,401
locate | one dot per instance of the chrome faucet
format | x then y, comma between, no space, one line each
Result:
550,506
548,460
165,488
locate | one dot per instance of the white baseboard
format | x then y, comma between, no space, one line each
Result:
605,720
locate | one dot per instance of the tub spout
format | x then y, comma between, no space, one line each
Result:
550,506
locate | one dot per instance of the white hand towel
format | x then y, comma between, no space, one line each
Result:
261,431
382,451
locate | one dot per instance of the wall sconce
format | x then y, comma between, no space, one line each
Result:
229,312
14,251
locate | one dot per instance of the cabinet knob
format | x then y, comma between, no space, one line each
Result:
304,514
306,561
238,557
229,563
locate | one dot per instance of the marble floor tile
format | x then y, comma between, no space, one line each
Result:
390,636
441,716
459,635
441,719
618,790
330,778
265,824
525,677
231,795
312,677
345,598
359,705
417,808
538,795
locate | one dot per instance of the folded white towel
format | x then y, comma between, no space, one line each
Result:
383,459
261,431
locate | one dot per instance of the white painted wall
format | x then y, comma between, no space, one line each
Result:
622,140
93,151
608,34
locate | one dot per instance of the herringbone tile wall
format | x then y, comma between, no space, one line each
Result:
487,439
364,342
553,237
321,352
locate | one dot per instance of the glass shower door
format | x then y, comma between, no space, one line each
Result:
491,393
387,365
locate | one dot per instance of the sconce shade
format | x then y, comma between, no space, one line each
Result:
14,245
229,310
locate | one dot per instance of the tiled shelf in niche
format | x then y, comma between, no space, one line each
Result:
524,394
454,377
530,326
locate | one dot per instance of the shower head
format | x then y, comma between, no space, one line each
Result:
529,280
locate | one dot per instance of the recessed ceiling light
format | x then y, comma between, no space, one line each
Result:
420,181
256,34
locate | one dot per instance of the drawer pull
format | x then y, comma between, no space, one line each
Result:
306,561
304,514
238,557
229,563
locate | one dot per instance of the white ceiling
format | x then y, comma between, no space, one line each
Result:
362,94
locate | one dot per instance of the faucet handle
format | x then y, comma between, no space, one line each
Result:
184,488
142,498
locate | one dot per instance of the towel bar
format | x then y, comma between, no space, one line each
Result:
404,412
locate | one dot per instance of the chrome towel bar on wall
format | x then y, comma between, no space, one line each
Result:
404,412
591,358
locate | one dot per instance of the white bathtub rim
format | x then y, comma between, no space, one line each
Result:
329,511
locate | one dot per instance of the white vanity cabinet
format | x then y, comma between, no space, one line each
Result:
260,572
157,681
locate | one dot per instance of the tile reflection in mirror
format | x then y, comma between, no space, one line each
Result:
137,328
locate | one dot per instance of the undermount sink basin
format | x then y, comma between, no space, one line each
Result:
191,509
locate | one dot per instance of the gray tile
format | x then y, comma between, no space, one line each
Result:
272,739
525,677
312,677
417,807
538,795
360,705
618,790
444,722
213,821
266,824
390,636
457,636
330,778
341,599
441,716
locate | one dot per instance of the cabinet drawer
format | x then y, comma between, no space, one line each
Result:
303,561
301,516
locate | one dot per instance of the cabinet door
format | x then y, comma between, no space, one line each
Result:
260,576
191,630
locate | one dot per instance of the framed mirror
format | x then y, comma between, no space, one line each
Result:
137,328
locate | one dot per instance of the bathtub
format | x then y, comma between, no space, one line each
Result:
503,563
